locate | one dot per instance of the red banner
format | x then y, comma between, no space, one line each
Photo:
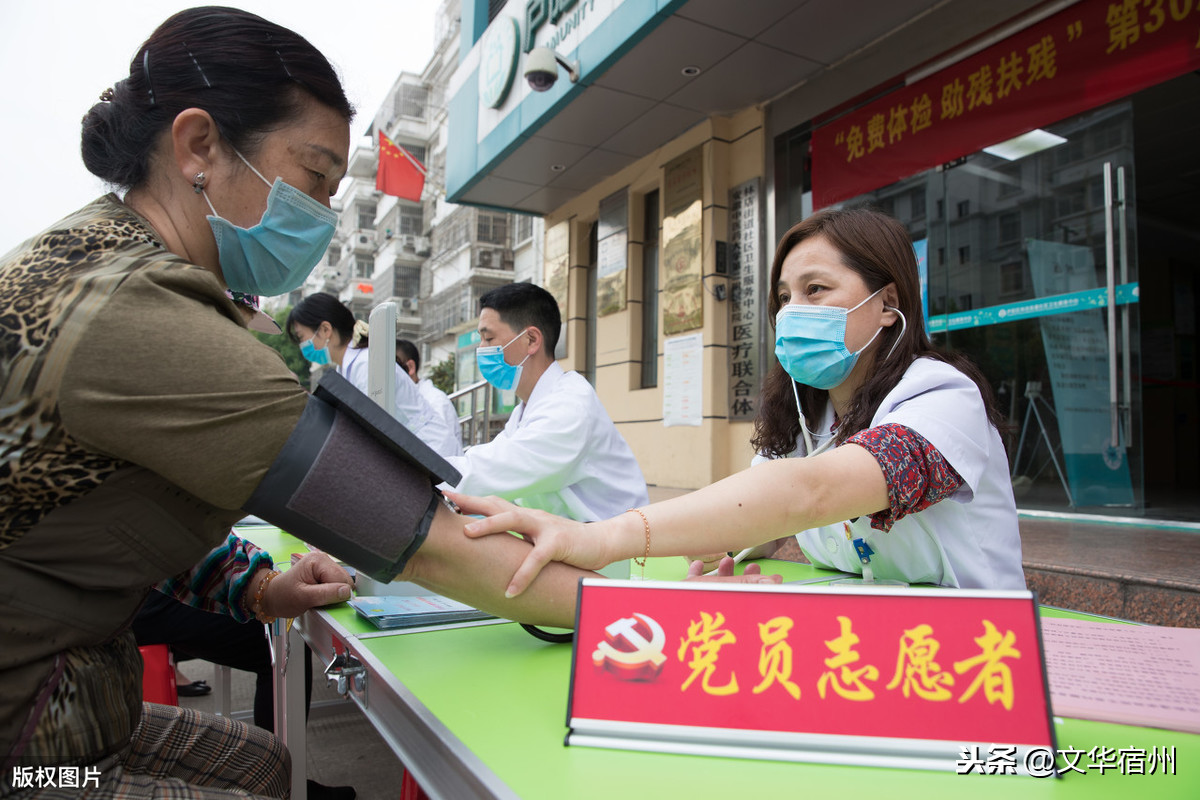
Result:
924,664
1082,57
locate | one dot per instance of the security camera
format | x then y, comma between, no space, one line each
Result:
541,68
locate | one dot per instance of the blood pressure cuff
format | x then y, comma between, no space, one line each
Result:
354,482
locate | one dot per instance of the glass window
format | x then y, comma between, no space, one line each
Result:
524,223
412,221
366,217
411,101
917,202
492,228
1010,227
408,281
416,151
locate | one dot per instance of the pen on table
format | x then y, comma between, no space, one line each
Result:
737,558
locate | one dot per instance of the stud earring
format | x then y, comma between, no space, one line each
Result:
198,182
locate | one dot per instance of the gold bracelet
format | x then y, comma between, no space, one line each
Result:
256,606
645,524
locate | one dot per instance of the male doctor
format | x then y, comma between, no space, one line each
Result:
559,452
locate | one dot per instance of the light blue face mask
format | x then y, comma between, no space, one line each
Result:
314,354
495,370
810,343
276,255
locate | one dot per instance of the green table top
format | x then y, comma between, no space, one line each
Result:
504,695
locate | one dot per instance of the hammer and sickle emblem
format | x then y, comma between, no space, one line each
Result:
632,649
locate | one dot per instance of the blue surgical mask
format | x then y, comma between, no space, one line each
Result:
276,255
495,370
314,354
810,343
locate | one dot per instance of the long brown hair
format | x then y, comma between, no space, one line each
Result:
878,249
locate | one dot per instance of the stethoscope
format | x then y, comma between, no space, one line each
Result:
861,547
810,450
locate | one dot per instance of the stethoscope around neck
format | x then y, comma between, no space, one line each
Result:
810,447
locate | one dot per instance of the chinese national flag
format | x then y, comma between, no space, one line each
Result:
399,173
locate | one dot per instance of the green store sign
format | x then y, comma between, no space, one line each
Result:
503,42
498,61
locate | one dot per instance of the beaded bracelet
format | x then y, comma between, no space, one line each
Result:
646,525
256,606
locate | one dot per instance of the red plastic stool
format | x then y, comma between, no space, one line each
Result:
158,675
410,789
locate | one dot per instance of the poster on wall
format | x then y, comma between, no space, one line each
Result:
611,248
746,300
684,376
921,249
682,229
557,254
1077,360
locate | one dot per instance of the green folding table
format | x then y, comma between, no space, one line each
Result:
481,712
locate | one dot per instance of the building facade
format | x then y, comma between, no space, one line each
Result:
431,258
1038,153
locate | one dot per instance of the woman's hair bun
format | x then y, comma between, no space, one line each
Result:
242,69
117,136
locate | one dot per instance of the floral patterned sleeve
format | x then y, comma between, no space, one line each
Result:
219,583
916,472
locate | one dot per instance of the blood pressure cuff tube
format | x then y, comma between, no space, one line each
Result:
354,482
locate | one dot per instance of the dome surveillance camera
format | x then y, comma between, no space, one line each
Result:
541,68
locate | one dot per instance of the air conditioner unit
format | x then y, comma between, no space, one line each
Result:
408,241
485,258
364,239
408,304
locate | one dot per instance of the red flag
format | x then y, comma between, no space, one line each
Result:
399,173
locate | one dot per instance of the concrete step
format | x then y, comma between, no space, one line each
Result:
1140,570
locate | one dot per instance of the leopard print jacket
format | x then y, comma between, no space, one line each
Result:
106,528
41,468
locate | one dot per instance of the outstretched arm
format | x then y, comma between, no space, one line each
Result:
477,572
743,510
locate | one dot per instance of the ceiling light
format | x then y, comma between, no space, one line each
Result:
1025,145
557,167
690,71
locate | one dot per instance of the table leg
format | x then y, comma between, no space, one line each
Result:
289,701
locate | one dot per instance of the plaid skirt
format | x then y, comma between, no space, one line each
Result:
175,754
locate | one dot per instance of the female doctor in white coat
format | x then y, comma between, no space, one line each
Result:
908,469
328,333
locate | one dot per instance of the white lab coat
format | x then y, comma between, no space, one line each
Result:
559,452
411,410
968,540
442,405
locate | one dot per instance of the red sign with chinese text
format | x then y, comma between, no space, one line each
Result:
907,663
1089,54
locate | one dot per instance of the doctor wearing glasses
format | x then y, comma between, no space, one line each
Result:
879,448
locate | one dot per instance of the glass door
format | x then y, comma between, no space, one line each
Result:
1033,273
